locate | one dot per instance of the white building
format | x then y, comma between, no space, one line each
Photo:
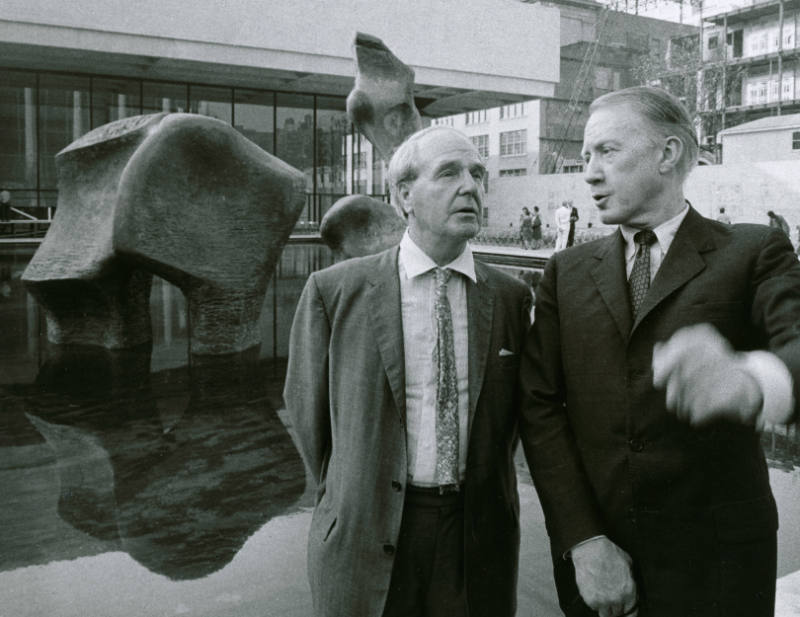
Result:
773,138
278,72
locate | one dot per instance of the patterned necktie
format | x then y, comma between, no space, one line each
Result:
446,386
639,282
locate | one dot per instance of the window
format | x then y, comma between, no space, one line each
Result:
572,168
513,143
211,101
602,78
475,117
114,99
713,41
332,131
19,155
252,112
515,110
294,133
504,173
63,118
157,97
795,140
482,144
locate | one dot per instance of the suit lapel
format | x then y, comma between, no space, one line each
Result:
480,308
386,319
610,277
682,262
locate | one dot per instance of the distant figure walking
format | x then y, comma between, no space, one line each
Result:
537,228
776,220
573,218
526,228
5,208
562,224
722,217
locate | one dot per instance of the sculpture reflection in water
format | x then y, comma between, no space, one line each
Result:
178,472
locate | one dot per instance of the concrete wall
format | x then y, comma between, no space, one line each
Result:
746,191
447,42
772,145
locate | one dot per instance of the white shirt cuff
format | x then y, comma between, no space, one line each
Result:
568,553
776,384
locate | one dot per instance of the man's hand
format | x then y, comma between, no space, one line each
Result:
704,378
603,575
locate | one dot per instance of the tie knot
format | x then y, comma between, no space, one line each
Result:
644,237
442,276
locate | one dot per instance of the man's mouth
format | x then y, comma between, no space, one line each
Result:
467,210
600,199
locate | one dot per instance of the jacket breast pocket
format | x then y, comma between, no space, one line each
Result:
712,311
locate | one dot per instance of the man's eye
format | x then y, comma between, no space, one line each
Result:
477,174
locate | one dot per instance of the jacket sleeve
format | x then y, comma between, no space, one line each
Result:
306,389
776,302
570,507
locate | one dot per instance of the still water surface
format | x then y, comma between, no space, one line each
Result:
148,482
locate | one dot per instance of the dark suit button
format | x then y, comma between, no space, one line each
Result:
388,549
397,486
636,445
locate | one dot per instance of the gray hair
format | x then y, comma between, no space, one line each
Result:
664,112
404,164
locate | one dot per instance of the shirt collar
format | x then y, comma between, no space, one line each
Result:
415,261
665,233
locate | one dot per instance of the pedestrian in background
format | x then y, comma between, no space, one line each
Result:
777,221
537,228
526,228
5,209
573,218
722,217
563,214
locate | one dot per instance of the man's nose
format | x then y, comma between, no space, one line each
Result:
592,173
469,183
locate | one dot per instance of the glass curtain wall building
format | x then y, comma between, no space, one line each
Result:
43,112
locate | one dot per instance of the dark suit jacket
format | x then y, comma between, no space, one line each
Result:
692,506
345,393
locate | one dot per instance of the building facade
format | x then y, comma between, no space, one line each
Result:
279,74
601,50
774,138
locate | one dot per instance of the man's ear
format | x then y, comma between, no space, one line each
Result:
404,193
671,154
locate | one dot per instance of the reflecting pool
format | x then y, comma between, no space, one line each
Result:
149,481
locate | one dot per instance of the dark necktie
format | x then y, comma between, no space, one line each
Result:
446,386
639,282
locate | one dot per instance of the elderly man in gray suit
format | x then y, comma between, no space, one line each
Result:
402,387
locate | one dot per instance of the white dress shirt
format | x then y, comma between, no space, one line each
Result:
417,297
665,234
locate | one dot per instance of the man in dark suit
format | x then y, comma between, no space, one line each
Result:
648,464
403,391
